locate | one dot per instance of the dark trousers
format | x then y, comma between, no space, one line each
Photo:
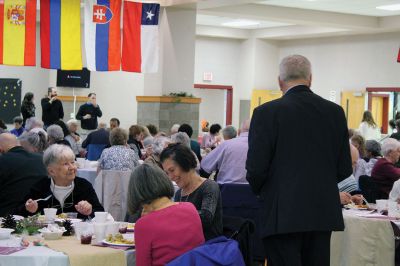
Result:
298,249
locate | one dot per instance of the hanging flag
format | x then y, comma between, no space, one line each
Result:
140,37
398,57
103,34
60,34
18,32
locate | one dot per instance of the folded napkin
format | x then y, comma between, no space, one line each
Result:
88,255
9,250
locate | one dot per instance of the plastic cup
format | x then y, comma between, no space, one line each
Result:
101,217
100,231
112,228
50,214
381,205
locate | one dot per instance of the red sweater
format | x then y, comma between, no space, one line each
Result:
385,174
166,234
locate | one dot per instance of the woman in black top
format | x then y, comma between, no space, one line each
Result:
135,139
180,164
27,107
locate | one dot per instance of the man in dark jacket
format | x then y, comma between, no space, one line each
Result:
19,170
88,113
52,108
296,172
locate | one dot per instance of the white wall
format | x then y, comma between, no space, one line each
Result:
349,63
339,63
212,107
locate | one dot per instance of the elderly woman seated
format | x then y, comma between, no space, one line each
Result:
166,229
34,141
73,137
55,135
384,172
119,156
159,144
180,164
62,190
372,154
183,138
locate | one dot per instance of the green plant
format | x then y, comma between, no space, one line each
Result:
29,225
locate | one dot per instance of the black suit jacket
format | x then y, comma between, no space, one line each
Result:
19,170
100,136
298,152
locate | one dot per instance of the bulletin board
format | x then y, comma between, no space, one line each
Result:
10,99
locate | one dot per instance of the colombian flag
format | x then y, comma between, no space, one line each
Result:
103,34
18,32
60,34
140,37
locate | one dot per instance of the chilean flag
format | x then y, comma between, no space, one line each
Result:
103,34
140,46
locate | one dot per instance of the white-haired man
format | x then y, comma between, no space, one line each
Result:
293,170
229,158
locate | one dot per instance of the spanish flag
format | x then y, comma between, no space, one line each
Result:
18,32
60,34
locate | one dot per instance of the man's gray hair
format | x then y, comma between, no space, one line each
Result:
118,136
294,67
54,153
181,137
102,125
159,144
33,122
389,145
55,132
229,132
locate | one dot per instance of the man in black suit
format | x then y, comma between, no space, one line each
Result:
52,108
19,170
298,153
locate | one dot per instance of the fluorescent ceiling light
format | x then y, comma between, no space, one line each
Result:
241,23
395,7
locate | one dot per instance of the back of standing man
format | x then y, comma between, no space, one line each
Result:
296,172
88,113
52,108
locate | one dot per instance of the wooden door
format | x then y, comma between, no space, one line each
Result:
353,104
377,110
259,97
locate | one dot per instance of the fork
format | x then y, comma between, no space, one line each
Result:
48,197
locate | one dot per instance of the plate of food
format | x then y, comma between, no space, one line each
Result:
356,206
131,227
123,240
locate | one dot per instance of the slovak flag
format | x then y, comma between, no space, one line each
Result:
140,46
103,34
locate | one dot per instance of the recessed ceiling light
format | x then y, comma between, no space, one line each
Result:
395,7
241,23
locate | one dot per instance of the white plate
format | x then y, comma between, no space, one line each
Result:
120,245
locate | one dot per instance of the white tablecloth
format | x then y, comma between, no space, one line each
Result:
364,242
43,256
87,173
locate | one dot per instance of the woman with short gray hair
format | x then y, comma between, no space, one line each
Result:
119,156
149,188
73,137
33,141
63,190
55,135
159,144
385,173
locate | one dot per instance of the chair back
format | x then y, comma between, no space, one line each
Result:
369,189
94,151
218,251
238,200
111,187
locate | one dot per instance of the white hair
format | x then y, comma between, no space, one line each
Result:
32,123
55,132
181,137
174,128
54,153
389,145
294,67
72,122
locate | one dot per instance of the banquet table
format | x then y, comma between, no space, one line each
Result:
89,174
368,239
43,256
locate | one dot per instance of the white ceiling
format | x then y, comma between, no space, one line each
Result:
294,19
357,7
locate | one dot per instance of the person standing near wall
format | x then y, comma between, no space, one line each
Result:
88,113
291,170
52,108
27,107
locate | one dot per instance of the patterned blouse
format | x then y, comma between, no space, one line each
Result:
118,157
